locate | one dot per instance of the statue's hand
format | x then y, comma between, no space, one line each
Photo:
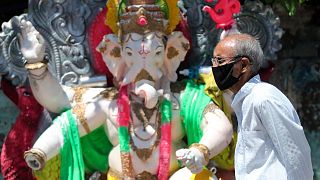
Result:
35,159
32,44
192,158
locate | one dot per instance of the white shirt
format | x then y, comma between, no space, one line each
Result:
271,142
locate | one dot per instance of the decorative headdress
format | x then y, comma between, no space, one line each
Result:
142,16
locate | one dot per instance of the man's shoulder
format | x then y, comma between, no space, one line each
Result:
262,92
263,89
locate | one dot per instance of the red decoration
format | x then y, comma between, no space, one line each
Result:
265,73
96,31
123,107
142,21
184,28
165,149
21,135
222,13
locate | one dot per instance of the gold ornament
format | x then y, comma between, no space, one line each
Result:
79,108
146,176
126,165
209,108
34,66
38,154
203,149
110,93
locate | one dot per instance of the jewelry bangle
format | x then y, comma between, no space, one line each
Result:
38,154
40,76
203,149
37,65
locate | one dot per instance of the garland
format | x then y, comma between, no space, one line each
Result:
124,137
123,132
165,141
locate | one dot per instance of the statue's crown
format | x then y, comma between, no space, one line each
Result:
142,16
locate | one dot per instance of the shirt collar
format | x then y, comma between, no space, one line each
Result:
244,91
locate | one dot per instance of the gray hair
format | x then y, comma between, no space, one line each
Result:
248,46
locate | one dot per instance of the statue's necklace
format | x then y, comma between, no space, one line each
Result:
142,117
145,153
124,137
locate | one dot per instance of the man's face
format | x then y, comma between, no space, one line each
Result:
226,67
223,53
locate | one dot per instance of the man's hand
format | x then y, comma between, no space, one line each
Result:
192,158
32,44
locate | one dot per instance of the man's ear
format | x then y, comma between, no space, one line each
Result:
245,64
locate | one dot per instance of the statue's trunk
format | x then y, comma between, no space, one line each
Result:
145,89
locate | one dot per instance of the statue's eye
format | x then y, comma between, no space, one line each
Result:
158,53
129,51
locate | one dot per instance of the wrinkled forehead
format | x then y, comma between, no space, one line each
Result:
143,37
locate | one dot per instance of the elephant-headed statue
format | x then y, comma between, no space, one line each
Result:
134,130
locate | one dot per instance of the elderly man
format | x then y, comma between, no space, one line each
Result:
271,142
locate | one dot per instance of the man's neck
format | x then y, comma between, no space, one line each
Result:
243,79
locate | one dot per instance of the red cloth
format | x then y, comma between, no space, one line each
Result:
20,137
96,31
265,73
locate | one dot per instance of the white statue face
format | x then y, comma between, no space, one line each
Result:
144,52
147,56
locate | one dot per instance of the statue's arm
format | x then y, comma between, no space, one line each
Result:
45,87
217,130
86,119
217,134
48,91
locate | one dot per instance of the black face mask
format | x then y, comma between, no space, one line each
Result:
223,76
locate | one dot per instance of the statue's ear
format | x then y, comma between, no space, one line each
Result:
177,47
110,48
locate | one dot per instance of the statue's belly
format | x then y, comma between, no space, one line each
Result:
150,165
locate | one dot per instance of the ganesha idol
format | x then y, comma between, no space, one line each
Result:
143,119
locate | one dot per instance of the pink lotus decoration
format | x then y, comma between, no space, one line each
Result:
142,21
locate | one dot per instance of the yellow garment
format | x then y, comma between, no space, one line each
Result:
225,159
205,174
112,15
174,15
214,92
111,177
114,174
50,171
